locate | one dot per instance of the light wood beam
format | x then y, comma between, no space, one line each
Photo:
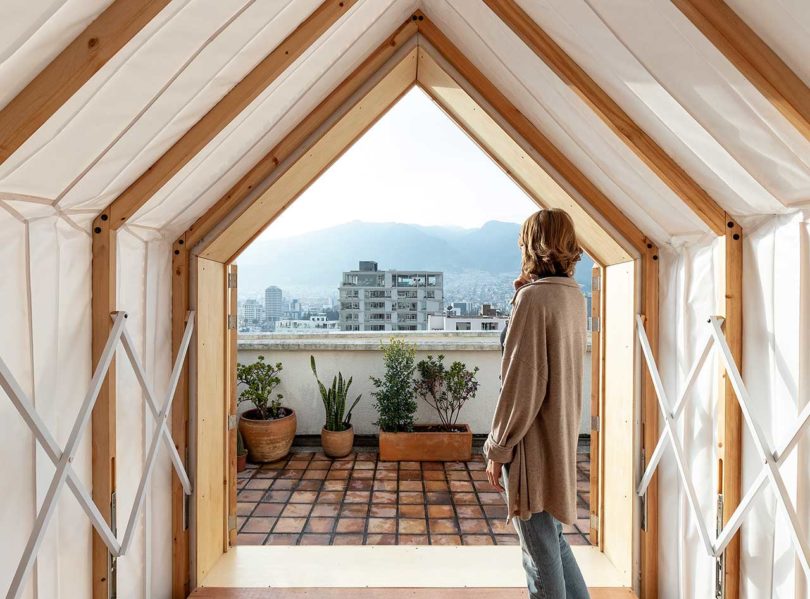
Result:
227,109
180,306
731,430
752,57
542,145
649,420
313,121
611,114
71,69
103,423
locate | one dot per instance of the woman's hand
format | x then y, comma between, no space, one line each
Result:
522,280
494,474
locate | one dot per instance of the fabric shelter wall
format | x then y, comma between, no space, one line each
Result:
45,341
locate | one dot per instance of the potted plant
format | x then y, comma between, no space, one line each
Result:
241,452
446,390
337,435
394,397
269,428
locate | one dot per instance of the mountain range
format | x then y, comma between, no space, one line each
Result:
311,264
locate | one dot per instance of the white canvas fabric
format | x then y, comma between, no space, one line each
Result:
665,75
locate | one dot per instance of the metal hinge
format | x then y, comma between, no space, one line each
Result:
232,280
112,561
596,284
596,424
643,497
231,522
720,560
595,324
595,522
232,420
231,322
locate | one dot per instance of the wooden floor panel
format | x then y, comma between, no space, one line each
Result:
385,593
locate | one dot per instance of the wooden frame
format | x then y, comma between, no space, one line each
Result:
731,421
752,57
180,421
71,69
215,223
597,393
261,204
103,424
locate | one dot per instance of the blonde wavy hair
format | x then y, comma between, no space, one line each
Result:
548,244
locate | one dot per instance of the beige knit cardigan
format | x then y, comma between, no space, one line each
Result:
536,423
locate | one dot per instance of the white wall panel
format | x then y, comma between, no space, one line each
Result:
784,25
687,300
720,98
594,47
776,366
33,33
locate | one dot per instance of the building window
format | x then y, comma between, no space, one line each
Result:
463,326
489,326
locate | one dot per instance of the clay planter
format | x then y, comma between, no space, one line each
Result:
241,462
425,444
267,440
337,444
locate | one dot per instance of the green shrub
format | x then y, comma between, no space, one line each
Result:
334,400
445,390
394,403
260,379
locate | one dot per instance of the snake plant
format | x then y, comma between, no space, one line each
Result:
334,400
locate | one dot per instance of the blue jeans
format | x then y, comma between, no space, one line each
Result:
551,570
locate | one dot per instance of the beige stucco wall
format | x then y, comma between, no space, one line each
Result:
358,355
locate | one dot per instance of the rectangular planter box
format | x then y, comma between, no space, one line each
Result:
426,446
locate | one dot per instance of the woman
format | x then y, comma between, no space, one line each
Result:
533,441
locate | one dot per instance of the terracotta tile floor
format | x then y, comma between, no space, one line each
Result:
309,499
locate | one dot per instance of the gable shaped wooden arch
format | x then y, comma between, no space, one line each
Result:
203,263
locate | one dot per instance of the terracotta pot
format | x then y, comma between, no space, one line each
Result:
267,440
427,445
337,444
241,462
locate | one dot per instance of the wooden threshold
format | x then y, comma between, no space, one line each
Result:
387,593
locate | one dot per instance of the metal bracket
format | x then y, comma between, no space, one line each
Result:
232,280
233,420
232,322
231,522
595,324
596,424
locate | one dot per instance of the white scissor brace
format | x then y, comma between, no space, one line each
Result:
63,459
771,459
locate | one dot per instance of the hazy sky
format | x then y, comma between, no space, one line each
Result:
414,166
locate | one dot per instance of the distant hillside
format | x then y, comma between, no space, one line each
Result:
312,263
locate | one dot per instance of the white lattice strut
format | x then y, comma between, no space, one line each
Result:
771,459
62,460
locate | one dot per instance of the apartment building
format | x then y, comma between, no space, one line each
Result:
389,300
